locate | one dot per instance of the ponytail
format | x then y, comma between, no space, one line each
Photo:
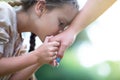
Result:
32,42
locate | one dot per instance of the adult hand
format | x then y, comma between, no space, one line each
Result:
66,38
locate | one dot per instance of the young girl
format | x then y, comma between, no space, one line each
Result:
43,18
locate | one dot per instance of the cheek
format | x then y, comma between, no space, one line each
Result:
49,32
50,29
50,25
53,30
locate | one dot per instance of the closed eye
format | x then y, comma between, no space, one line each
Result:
62,24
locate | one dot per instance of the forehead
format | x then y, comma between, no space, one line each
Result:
67,12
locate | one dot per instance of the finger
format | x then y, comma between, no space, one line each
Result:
50,36
53,54
53,49
61,50
53,63
54,43
55,38
53,58
46,40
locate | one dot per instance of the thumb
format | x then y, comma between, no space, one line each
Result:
55,38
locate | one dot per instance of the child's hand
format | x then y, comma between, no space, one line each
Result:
47,51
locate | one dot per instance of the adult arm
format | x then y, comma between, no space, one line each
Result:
90,12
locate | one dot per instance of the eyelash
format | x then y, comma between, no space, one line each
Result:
61,24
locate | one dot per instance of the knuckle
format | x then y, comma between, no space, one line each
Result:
64,44
50,49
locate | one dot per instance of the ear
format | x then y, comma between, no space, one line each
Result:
40,7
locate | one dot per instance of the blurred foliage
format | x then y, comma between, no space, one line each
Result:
71,69
67,70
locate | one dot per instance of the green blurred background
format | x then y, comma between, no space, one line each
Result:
95,55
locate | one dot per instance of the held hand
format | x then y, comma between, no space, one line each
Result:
47,51
66,38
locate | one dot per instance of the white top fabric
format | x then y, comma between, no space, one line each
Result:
10,40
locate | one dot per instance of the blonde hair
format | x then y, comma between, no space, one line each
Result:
15,3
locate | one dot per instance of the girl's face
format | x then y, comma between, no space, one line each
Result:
54,21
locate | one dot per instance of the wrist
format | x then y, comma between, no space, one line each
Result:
72,31
75,29
34,57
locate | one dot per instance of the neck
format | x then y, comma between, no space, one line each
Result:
23,22
26,22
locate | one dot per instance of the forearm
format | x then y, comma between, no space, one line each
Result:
26,73
14,64
90,12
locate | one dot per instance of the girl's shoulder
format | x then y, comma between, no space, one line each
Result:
5,7
7,13
7,19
